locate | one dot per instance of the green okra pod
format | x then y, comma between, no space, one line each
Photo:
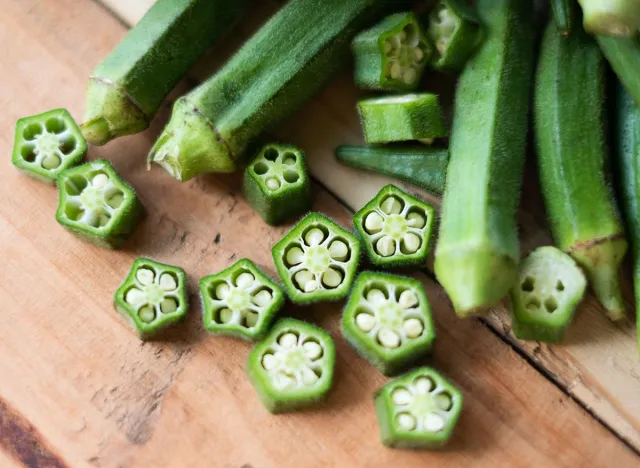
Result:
564,15
624,57
611,17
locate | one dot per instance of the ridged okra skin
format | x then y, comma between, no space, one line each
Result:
418,410
572,158
388,321
240,301
96,205
477,253
276,183
285,63
624,57
47,144
611,17
152,298
293,366
392,55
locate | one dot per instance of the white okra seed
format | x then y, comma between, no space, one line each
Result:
401,396
314,237
145,276
406,421
283,380
100,180
262,299
245,280
365,322
222,291
402,35
272,183
373,222
423,385
331,278
388,338
411,242
413,327
409,76
388,47
391,205
226,315
433,422
338,250
295,256
396,70
386,246
312,349
311,286
304,277
416,220
168,305
443,401
134,297
376,297
288,340
51,162
408,299
147,313
308,376
168,282
269,361
250,318
418,54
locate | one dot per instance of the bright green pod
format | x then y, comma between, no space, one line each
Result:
127,88
564,15
285,63
624,57
572,157
423,166
544,299
392,55
292,367
477,253
418,410
611,17
152,298
454,28
388,321
46,144
240,301
402,118
317,260
276,183
96,205
395,228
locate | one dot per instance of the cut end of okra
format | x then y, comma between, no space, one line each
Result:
388,321
47,144
392,55
615,18
240,301
276,184
418,410
152,297
402,118
96,205
549,288
395,228
317,260
293,366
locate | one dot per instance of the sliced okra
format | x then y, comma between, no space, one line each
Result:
276,183
549,288
317,260
402,118
392,55
96,205
47,144
240,301
152,297
454,28
388,321
418,410
293,366
395,228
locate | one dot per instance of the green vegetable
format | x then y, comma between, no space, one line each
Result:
388,321
285,63
152,297
317,260
96,205
293,366
240,301
550,286
276,184
572,154
418,410
402,118
392,55
395,228
611,17
477,252
624,57
128,87
47,144
424,166
454,28
563,15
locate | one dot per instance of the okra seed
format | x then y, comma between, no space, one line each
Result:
409,76
426,141
308,376
413,327
273,184
402,35
313,350
134,297
406,421
388,338
408,299
311,286
396,70
441,45
387,46
100,180
418,54
289,159
338,250
373,222
168,282
283,380
262,298
145,276
288,340
168,305
376,297
295,256
365,322
314,237
416,220
433,423
391,205
226,315
443,401
222,291
51,162
386,246
303,277
411,242
103,220
245,280
401,396
147,314
331,278
250,318
269,361
423,385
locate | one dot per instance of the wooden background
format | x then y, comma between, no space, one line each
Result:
77,388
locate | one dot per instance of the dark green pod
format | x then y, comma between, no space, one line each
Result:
624,57
564,15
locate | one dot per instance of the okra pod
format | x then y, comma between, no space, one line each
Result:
624,57
611,17
564,15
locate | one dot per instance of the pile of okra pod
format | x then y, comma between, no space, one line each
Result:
491,45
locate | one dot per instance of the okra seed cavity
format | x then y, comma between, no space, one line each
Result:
145,276
401,396
408,299
147,314
391,205
168,282
313,350
263,298
406,421
404,53
388,338
416,220
413,327
314,237
339,250
373,222
273,184
365,322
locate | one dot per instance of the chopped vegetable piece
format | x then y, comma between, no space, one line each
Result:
293,366
153,297
611,17
96,205
624,57
47,144
418,410
317,260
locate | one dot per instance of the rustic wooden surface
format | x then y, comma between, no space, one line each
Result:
77,388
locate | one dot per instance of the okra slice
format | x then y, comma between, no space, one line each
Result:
392,55
293,366
46,144
276,184
152,297
402,118
96,205
317,260
388,321
418,410
395,228
454,28
240,301
549,288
